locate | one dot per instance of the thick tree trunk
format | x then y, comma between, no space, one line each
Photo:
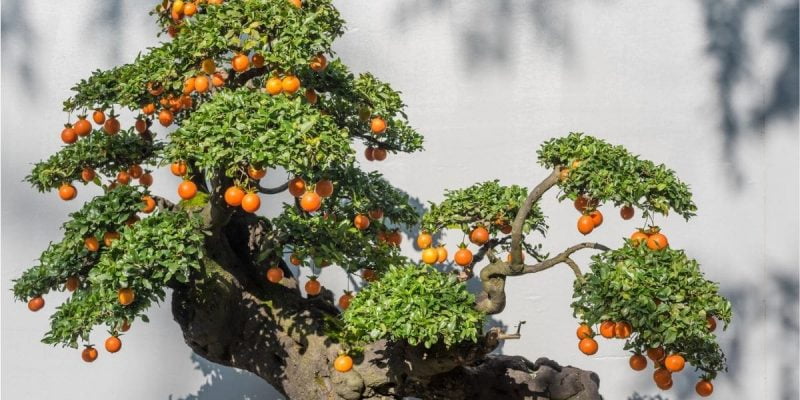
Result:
231,317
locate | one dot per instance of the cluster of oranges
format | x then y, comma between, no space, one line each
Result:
377,125
590,217
463,256
180,9
652,238
113,344
665,365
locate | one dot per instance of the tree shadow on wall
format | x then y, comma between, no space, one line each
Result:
229,384
727,24
16,28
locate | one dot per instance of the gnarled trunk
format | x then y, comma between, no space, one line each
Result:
232,317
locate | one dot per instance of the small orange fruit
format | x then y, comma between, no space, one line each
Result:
36,303
588,346
91,243
234,196
361,221
99,117
655,353
111,126
251,202
146,180
313,287
318,62
376,214
622,330
256,173
379,154
324,188
597,218
67,192
584,331
149,204
290,84
441,254
638,362
240,63
201,84
297,187
113,344
258,60
165,117
377,125
638,237
657,241
187,190
274,86
68,135
89,354
626,212
345,299
674,363
704,388
87,174
178,168
82,126
72,283
125,296
479,235
274,274
424,240
343,363
607,329
463,257
310,202
430,255
585,224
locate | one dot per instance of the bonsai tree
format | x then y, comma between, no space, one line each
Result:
252,86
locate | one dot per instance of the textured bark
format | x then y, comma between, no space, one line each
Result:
231,316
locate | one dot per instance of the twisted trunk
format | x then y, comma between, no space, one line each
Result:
229,315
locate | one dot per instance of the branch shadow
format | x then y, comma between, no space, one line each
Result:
16,28
228,383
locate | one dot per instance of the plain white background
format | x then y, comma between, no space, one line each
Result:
709,88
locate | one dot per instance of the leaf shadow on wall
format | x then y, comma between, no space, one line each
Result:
228,383
16,28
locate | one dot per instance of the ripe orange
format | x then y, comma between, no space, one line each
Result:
638,362
297,3
251,202
125,326
377,125
67,192
240,63
344,300
318,62
580,203
310,202
165,117
369,153
361,221
148,109
430,255
82,126
324,188
297,187
258,60
588,346
343,363
89,354
123,177
178,168
479,235
68,135
189,9
311,96
217,80
674,363
201,84
146,180
256,173
597,218
187,190
91,243
208,66
394,237
424,240
234,195
585,224
109,238
662,376
638,237
313,287
111,126
376,213
607,329
623,330
657,241
36,303
132,220
626,212
113,344
369,275
704,388
274,86
140,125
295,260
72,283
563,174
463,257
274,274
665,385
584,331
149,204
655,353
135,171
711,323
441,254
125,296
189,85
506,229
290,84
98,116
379,154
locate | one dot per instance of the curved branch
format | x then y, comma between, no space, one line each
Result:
164,204
562,257
275,190
519,220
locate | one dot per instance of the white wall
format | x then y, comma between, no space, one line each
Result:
486,83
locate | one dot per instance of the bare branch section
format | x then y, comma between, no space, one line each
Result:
275,190
519,220
493,277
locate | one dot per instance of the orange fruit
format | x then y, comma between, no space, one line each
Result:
258,60
607,329
665,385
234,196
318,62
178,168
113,344
369,153
125,326
296,3
87,174
109,238
506,229
187,190
588,346
638,362
82,127
424,240
597,218
345,299
256,173
146,180
379,154
123,177
251,202
91,243
189,85
377,125
217,80
290,84
584,331
310,202
274,86
311,96
585,224
125,296
361,221
313,287
563,174
661,376
430,255
711,323
638,237
201,84
394,238
189,9
479,235
704,388
149,204
36,303
441,254
135,171
165,117
674,363
89,354
622,330
626,212
148,109
463,257
369,275
297,187
657,241
582,203
98,117
140,125
208,66
324,188
655,353
67,192
343,363
111,126
240,63
72,283
274,274
376,213
68,135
